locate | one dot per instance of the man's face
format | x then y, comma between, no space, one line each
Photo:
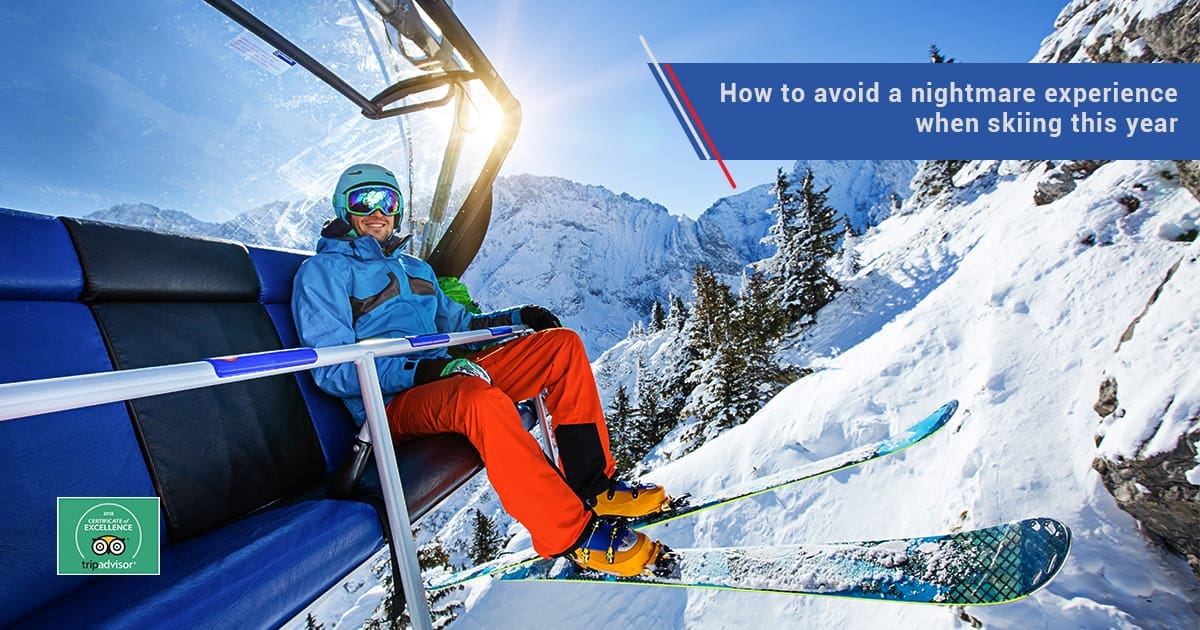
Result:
375,225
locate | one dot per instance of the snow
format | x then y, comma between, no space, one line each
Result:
1017,311
1150,8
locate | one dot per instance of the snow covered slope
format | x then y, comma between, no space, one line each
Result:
1014,309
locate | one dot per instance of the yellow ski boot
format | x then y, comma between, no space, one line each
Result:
631,501
611,547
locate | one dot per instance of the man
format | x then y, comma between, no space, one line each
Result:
360,286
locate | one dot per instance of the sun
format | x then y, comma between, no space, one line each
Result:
480,115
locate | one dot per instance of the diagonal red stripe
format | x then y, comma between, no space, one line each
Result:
699,125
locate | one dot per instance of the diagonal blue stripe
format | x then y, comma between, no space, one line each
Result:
666,90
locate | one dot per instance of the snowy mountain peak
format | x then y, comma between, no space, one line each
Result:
865,191
153,217
600,259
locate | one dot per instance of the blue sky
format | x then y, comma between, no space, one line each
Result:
591,110
593,113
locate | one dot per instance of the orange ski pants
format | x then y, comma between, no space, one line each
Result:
548,503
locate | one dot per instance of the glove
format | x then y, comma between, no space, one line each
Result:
429,370
538,318
466,367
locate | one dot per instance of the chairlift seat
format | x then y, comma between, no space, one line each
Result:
249,537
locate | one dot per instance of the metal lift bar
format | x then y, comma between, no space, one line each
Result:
269,35
550,447
393,496
373,108
461,240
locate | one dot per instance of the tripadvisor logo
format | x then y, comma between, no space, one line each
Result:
108,536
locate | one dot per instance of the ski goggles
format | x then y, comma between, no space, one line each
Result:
372,198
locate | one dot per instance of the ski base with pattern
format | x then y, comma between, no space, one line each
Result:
688,505
994,565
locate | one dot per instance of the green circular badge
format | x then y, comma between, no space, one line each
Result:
108,531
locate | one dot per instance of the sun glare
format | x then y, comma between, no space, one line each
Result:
481,117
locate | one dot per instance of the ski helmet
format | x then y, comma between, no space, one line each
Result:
359,175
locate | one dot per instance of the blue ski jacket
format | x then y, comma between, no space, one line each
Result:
351,290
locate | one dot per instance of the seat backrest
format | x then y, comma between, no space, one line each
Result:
89,452
335,427
214,453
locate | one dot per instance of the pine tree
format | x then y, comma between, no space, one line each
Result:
784,232
486,542
676,313
619,421
934,177
759,320
657,318
936,56
805,233
816,247
714,398
434,554
784,268
443,610
734,391
742,374
850,263
649,401
707,333
706,325
677,359
759,324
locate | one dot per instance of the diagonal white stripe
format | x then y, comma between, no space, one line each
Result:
675,99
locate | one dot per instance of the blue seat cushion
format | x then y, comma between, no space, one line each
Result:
255,573
89,452
276,269
334,425
37,259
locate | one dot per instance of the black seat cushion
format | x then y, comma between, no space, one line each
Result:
219,452
133,264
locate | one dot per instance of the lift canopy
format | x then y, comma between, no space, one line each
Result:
245,115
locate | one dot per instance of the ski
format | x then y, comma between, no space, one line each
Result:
688,505
994,565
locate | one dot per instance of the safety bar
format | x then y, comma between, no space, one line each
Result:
549,444
27,398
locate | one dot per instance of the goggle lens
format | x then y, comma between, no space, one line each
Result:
371,199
